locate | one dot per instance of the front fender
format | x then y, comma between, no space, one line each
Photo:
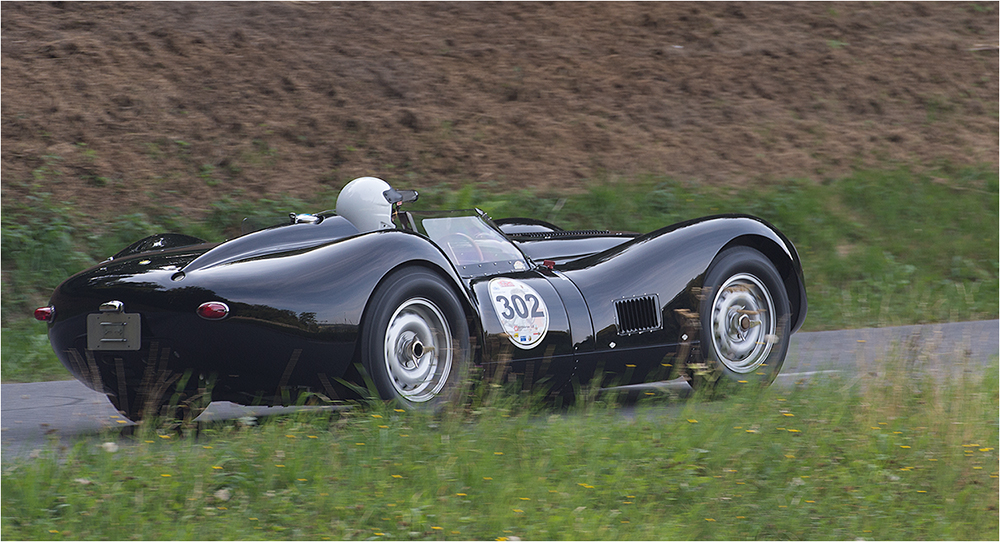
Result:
670,261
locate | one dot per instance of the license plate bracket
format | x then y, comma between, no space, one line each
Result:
113,331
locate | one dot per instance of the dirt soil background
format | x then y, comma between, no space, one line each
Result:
114,105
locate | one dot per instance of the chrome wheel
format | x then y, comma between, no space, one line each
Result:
417,350
743,323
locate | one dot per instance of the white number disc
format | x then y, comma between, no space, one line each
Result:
522,312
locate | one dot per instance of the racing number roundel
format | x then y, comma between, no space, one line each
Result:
522,312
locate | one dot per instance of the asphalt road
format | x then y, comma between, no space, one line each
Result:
36,415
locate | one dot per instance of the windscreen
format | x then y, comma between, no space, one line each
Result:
468,241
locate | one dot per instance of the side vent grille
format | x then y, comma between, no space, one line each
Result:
638,314
561,234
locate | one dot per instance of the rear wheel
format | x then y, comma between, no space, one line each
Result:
745,320
415,340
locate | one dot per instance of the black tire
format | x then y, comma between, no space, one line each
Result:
745,321
415,342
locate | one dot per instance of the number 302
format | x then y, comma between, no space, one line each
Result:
518,305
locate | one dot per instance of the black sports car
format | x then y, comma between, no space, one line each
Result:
410,301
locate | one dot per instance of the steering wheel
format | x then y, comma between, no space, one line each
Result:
465,239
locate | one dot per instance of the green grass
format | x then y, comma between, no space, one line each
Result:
903,456
878,248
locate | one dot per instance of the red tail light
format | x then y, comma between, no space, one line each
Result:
213,310
45,314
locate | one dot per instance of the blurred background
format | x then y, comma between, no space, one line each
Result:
868,132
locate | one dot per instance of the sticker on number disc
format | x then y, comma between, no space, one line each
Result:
521,311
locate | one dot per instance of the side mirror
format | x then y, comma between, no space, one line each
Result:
394,196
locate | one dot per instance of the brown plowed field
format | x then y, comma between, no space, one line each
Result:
116,104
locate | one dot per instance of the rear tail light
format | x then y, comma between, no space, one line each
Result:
213,310
45,314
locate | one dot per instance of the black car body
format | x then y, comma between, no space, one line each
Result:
314,304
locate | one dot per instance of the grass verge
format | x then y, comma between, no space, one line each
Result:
905,455
878,248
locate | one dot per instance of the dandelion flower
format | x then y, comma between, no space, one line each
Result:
165,475
692,421
397,475
461,495
436,528
519,511
487,478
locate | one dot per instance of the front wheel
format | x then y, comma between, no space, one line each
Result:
415,339
745,320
